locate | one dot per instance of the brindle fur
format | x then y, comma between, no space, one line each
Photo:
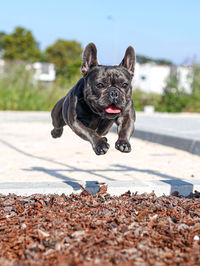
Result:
83,108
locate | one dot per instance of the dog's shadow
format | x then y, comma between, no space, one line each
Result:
60,173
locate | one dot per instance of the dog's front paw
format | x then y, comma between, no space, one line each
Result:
101,146
56,133
123,145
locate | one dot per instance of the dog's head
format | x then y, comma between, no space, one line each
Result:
107,89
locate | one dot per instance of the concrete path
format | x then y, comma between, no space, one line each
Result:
181,131
33,162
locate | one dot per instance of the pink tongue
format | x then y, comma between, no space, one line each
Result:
112,109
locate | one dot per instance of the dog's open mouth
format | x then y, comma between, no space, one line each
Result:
112,109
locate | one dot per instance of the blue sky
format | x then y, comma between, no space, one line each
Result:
160,29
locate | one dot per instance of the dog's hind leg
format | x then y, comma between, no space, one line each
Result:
57,119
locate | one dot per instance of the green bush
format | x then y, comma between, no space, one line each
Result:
176,99
173,99
19,91
142,98
195,79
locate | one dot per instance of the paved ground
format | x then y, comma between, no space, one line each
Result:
181,131
185,125
31,161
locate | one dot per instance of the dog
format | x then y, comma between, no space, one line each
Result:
103,96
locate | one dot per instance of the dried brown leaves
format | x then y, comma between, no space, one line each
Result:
99,229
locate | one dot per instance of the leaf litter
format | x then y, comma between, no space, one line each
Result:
99,229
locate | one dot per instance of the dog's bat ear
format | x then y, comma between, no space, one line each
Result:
129,60
89,58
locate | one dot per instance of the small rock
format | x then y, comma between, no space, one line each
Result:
196,238
42,234
23,226
78,233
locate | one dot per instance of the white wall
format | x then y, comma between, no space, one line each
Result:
41,76
151,77
2,64
185,78
48,75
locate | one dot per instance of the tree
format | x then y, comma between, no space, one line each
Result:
173,98
66,55
144,59
195,79
21,45
1,41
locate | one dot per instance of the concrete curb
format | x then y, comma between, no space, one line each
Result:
189,145
116,188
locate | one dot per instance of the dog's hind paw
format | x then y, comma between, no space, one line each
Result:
56,133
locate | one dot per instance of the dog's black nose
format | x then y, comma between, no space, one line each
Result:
114,94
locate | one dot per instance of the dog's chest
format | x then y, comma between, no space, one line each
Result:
94,123
90,121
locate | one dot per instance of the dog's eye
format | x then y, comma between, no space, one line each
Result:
99,85
125,85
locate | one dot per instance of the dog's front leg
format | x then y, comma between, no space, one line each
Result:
125,130
99,144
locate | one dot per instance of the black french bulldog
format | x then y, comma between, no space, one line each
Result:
103,96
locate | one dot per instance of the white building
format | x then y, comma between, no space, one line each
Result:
151,77
185,77
44,72
2,64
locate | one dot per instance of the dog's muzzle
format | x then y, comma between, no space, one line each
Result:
114,95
